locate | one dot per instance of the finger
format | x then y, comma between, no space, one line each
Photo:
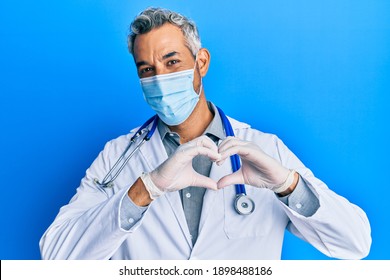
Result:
231,179
241,150
220,161
202,141
228,142
205,141
199,150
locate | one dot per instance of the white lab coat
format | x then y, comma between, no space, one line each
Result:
89,226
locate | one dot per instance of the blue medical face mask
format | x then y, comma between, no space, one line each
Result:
171,96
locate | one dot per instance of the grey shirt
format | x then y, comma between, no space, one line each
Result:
192,196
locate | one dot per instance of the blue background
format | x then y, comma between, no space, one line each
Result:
316,73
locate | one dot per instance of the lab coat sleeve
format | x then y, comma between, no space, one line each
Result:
89,227
302,200
130,213
338,228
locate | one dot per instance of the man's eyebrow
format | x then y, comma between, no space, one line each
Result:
140,63
168,55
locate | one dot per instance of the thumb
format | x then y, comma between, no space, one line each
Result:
231,179
205,182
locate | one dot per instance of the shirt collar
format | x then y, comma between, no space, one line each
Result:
215,127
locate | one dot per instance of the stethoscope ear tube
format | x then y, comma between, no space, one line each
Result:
150,131
117,168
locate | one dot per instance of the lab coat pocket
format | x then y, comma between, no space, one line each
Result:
256,224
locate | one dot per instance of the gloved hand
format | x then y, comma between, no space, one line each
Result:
177,172
257,168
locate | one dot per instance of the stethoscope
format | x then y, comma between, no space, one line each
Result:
243,204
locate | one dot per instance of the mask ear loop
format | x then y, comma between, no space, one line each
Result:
201,80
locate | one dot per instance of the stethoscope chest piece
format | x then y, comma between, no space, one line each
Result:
243,204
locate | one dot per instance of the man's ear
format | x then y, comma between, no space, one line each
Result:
203,61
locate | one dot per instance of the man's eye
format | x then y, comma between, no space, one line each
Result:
145,70
172,62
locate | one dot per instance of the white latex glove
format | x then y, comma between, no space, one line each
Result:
257,168
177,172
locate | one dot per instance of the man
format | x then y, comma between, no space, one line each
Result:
174,199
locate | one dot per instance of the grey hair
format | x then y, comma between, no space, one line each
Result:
152,18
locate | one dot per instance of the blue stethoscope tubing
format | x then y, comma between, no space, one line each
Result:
235,160
243,204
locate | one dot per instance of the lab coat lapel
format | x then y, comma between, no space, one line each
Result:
153,151
155,154
216,173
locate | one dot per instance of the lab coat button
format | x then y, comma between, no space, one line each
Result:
298,205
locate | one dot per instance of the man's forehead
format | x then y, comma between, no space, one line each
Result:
167,32
163,42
